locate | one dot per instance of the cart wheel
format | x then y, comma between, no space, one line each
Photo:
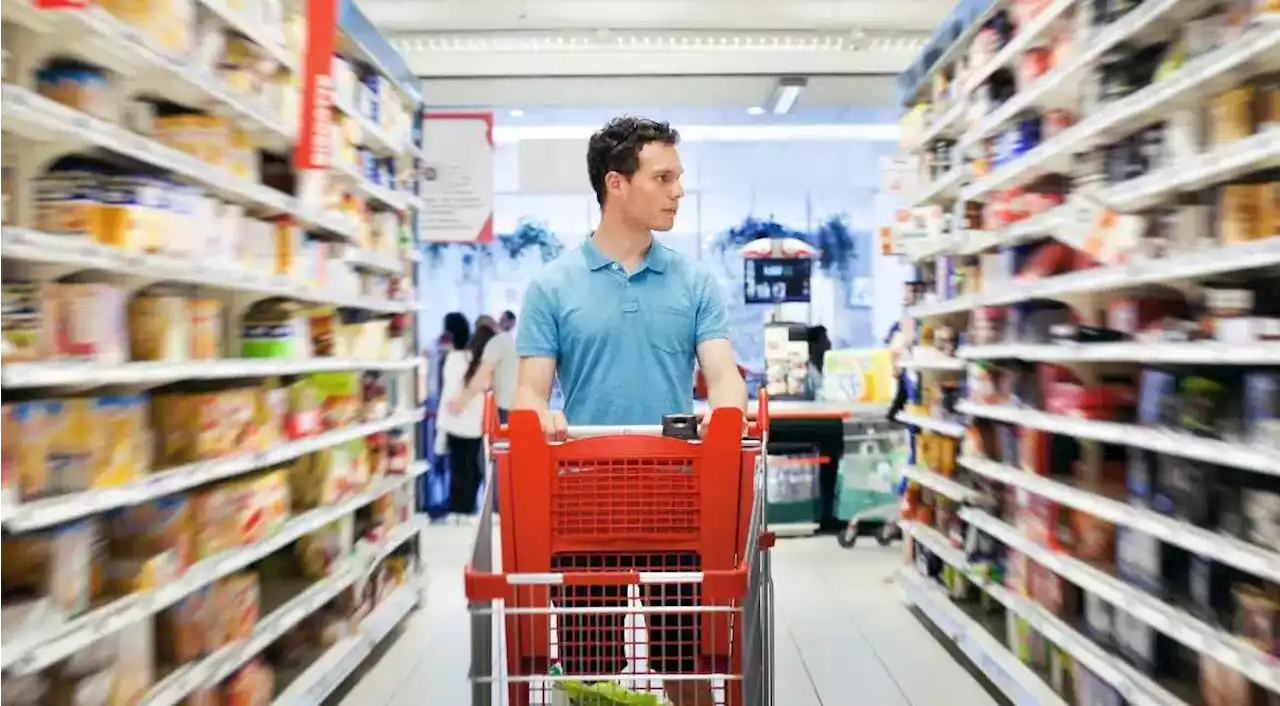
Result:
887,533
848,536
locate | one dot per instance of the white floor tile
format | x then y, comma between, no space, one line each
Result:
840,630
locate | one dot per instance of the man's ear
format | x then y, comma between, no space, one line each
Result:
613,181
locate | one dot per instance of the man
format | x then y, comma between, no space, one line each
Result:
497,371
621,320
508,320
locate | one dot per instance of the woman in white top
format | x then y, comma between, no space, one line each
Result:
459,429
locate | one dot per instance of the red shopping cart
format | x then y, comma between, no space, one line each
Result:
631,567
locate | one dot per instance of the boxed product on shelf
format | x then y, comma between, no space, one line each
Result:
116,670
185,630
49,575
79,85
73,444
251,685
236,602
166,325
322,551
329,475
213,420
148,545
236,513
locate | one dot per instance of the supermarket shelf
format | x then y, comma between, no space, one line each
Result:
1197,353
1119,31
1198,77
940,426
1220,547
372,135
79,251
941,189
25,375
27,516
33,116
367,188
341,660
95,35
1026,37
1136,688
271,43
936,543
940,484
1189,265
1258,152
218,666
31,654
946,124
1174,622
1013,678
390,263
1036,226
1171,443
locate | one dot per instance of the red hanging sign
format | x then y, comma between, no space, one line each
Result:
316,124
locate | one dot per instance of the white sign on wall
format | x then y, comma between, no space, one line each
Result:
457,190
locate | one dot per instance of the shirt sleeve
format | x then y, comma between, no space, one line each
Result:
538,333
713,314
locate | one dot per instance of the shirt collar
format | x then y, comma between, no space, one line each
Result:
655,259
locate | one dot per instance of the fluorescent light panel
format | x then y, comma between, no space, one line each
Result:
784,95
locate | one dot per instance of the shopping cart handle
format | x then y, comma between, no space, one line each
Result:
757,426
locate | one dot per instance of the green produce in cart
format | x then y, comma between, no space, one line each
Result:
576,693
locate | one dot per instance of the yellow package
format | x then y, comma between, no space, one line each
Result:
288,248
206,328
124,437
269,502
160,327
329,475
128,216
858,375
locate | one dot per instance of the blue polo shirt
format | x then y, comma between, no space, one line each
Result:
624,343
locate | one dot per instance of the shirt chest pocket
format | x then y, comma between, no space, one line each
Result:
672,328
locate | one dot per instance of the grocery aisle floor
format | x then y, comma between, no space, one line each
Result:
840,631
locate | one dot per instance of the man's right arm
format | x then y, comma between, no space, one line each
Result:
538,345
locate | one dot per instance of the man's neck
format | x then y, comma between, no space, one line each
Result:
622,243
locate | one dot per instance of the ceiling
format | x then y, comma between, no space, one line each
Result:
690,52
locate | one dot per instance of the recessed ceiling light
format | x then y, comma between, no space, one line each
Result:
517,113
755,110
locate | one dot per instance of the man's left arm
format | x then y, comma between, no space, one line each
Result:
725,386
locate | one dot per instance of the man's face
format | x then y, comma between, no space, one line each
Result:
651,197
507,323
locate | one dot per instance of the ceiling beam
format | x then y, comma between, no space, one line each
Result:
558,15
455,64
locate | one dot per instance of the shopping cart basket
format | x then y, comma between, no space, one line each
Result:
631,567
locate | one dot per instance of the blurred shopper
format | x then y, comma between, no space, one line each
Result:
819,343
462,426
508,321
498,368
621,320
